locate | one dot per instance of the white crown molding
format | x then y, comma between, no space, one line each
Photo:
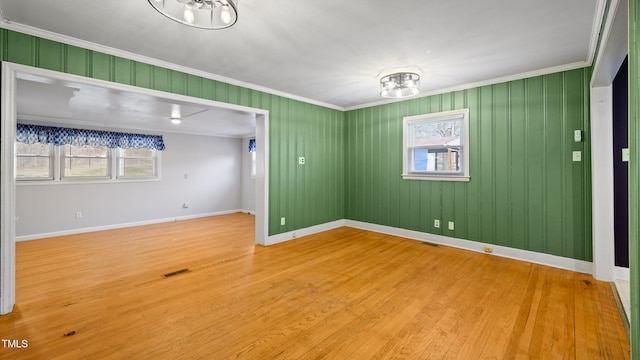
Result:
29,30
593,43
595,30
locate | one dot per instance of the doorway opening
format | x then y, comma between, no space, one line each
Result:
11,73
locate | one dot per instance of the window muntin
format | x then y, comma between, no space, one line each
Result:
435,146
137,163
34,161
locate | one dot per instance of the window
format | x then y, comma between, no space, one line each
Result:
137,163
77,163
57,153
436,146
85,162
34,161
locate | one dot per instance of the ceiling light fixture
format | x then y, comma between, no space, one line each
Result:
400,85
175,120
203,14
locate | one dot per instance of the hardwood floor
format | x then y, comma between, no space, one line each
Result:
341,294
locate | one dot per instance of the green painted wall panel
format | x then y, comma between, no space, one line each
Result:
523,182
518,159
123,71
54,60
634,174
307,195
101,66
143,75
77,61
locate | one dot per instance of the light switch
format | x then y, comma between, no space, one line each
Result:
577,156
577,135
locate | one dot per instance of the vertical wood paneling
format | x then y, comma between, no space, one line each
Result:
634,174
307,195
518,172
55,55
523,183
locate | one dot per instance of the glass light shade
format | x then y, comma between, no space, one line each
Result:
203,14
400,85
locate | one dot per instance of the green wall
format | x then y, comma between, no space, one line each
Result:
634,174
525,191
306,195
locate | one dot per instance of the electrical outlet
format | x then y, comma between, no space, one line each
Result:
301,160
451,225
577,156
78,214
282,221
436,223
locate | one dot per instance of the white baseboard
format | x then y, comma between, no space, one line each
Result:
275,239
503,251
123,225
621,273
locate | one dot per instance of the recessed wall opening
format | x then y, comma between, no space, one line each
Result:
12,73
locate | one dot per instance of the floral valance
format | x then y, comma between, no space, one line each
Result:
252,145
32,134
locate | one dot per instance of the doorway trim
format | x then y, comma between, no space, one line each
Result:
613,49
10,72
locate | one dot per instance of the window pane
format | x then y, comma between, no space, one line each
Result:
71,151
86,161
33,161
32,149
442,133
138,167
33,167
420,159
144,152
85,167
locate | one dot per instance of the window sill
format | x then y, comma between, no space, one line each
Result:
435,177
80,182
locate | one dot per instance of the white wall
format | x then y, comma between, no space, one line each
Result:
248,193
212,185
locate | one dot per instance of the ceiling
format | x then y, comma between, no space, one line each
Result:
46,101
333,52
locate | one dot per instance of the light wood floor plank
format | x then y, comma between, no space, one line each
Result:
341,294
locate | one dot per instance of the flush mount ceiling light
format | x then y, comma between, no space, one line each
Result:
203,14
175,120
400,85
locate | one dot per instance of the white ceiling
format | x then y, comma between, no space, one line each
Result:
333,52
43,101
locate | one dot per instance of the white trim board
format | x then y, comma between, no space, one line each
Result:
291,235
124,225
621,273
502,251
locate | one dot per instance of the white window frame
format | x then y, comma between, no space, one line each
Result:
57,157
52,161
407,150
119,164
63,156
